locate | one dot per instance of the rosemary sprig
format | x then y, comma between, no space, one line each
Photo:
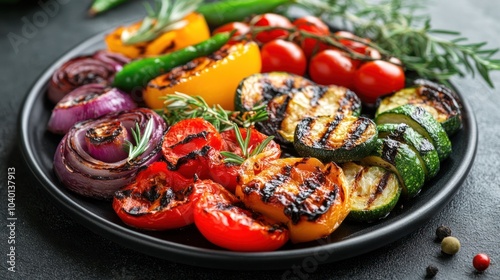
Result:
181,106
231,157
399,31
141,141
165,16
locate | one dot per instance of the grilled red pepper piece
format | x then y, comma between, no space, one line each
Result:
157,200
221,218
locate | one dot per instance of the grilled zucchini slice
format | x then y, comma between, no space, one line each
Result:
437,99
422,147
286,111
400,159
336,138
374,191
421,121
262,87
310,197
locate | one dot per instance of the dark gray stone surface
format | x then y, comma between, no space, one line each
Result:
51,245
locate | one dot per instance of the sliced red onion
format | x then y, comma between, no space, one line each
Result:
80,172
106,141
87,102
97,68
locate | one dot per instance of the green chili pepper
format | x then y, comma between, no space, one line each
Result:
136,74
221,12
100,6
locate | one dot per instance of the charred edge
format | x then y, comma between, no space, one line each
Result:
86,98
104,133
382,184
318,93
350,102
190,138
304,127
360,126
278,180
185,159
444,101
330,128
151,194
122,194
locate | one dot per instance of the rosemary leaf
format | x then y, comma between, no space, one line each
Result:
141,141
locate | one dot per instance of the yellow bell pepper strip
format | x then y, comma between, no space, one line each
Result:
214,77
193,32
136,74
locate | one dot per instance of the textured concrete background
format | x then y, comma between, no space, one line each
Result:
51,245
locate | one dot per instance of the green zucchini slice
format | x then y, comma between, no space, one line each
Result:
262,87
422,147
421,121
285,111
336,138
375,191
400,159
436,99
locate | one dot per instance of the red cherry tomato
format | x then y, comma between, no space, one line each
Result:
332,67
158,199
240,27
186,146
376,78
481,262
353,42
281,55
273,20
314,25
227,174
221,220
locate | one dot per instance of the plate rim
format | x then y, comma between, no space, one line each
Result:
223,259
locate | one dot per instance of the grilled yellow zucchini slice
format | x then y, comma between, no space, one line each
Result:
375,191
310,197
286,111
259,88
436,99
337,138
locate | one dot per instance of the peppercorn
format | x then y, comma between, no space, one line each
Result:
431,271
442,232
481,262
450,245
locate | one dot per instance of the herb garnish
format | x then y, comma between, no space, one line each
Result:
165,16
181,106
141,141
237,159
398,31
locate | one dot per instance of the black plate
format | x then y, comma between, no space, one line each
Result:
188,246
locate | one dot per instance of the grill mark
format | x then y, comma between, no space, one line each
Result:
270,187
298,208
349,102
166,198
317,94
390,150
382,184
360,126
330,128
442,99
185,159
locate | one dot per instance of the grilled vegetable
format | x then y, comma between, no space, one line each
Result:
337,138
311,198
374,191
437,99
136,74
400,159
422,147
262,87
421,121
285,111
214,77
